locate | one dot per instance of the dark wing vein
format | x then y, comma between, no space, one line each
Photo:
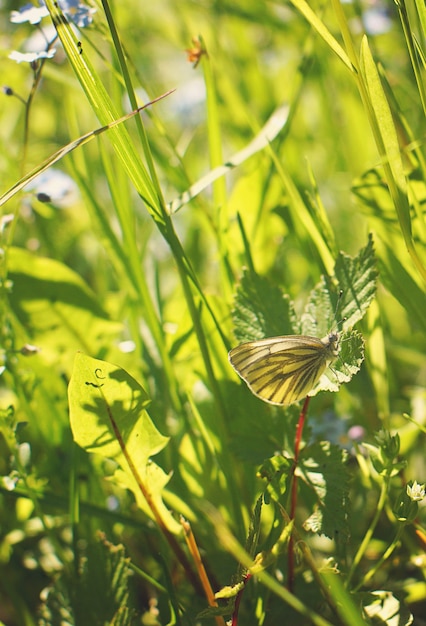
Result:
284,376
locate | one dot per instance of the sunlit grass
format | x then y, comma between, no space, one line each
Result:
138,264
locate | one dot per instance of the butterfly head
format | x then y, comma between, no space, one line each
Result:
331,343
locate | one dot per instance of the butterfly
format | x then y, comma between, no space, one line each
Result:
283,370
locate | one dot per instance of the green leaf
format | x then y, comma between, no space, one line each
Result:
103,107
155,480
323,468
229,591
357,279
55,307
388,140
261,310
318,320
347,364
108,417
344,603
312,17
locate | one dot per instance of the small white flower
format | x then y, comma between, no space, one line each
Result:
416,492
29,13
30,57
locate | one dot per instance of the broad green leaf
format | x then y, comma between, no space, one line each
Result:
261,310
323,468
357,279
346,296
321,310
56,309
108,417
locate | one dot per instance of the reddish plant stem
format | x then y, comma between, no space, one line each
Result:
234,621
293,503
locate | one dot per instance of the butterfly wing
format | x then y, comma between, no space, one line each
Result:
282,370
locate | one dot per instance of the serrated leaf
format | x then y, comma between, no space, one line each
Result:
357,279
323,468
347,364
55,307
317,320
319,315
345,296
261,310
108,417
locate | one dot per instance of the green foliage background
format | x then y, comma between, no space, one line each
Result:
136,273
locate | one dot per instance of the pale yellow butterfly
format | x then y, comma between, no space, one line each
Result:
283,370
